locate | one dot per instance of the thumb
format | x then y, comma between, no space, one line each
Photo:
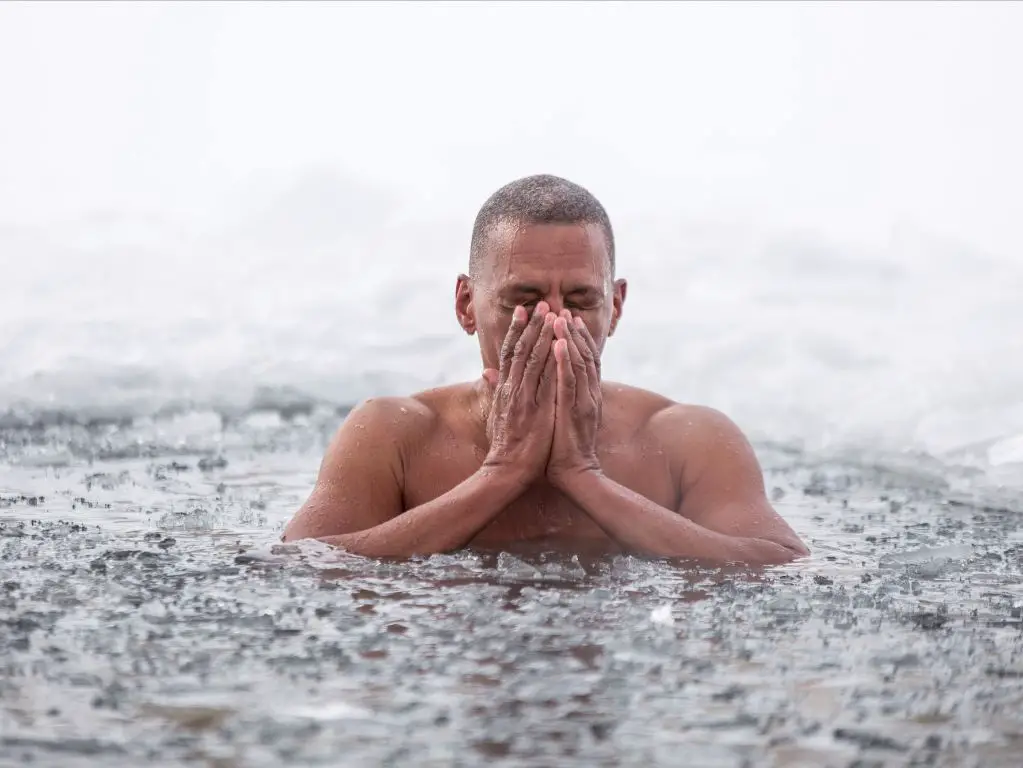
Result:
490,377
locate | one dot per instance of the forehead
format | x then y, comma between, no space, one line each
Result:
544,252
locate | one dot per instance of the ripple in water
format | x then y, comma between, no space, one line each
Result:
147,614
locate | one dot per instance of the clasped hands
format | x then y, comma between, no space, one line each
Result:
545,402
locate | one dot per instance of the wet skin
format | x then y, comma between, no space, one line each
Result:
540,452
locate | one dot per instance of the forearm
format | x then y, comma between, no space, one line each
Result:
444,524
644,527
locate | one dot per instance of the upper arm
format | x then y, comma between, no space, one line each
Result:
721,483
361,477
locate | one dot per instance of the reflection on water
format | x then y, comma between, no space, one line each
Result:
148,613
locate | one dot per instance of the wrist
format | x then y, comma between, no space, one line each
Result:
571,479
507,476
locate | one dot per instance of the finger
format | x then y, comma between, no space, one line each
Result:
589,342
547,389
579,369
567,332
584,343
524,346
518,325
491,376
566,376
561,327
537,358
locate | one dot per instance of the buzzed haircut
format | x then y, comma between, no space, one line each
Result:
540,199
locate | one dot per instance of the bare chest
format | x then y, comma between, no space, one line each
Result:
542,514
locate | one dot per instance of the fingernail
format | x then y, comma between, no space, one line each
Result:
549,319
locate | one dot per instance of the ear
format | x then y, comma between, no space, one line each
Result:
464,309
621,287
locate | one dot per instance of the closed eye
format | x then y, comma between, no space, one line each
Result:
583,303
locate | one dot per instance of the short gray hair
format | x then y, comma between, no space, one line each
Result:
540,199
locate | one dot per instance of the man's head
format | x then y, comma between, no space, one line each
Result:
541,238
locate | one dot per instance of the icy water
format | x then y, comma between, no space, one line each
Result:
147,614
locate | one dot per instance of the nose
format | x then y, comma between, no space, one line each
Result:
556,304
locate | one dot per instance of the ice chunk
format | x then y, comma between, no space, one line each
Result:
662,615
928,562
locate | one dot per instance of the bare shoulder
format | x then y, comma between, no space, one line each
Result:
377,435
693,434
404,420
401,416
719,476
705,425
707,444
661,415
440,401
631,407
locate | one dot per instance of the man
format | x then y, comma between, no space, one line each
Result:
540,452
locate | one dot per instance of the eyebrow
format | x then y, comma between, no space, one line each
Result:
530,288
522,288
584,289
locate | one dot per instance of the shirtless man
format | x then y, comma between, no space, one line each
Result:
540,452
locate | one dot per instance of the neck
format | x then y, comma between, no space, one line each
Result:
481,399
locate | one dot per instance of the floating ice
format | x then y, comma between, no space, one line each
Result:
662,615
929,562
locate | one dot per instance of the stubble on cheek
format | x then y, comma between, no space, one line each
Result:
492,339
491,331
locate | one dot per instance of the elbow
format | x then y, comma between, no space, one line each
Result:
366,544
800,552
293,533
796,548
784,552
761,553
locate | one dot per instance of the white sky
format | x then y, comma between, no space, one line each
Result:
847,117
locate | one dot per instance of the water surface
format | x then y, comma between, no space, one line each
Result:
148,613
